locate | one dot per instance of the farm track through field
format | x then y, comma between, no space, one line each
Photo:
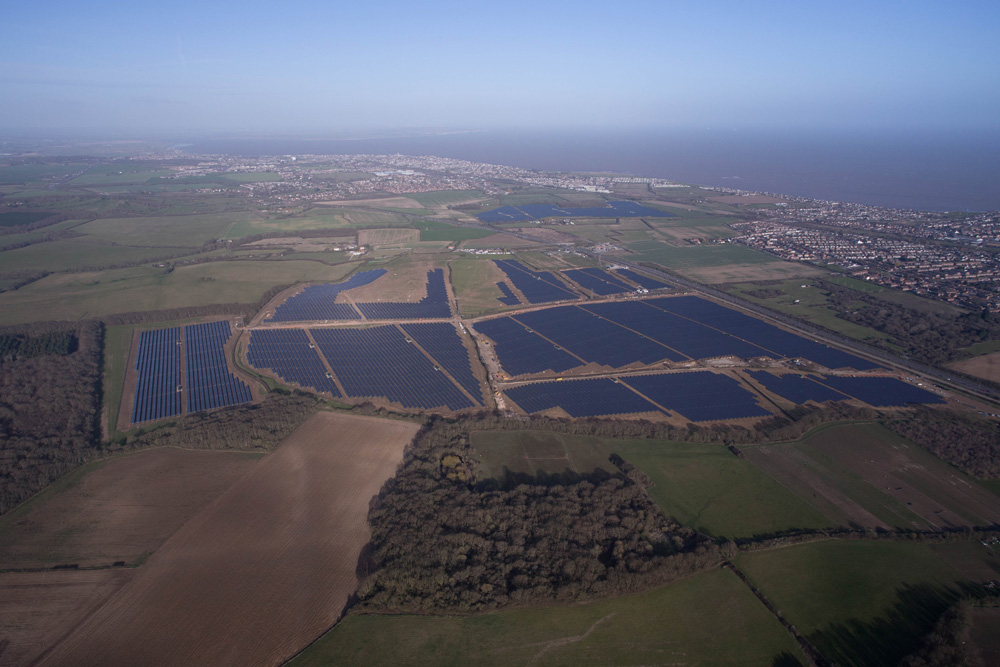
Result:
268,566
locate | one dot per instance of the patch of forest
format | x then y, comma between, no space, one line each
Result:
933,338
50,403
968,442
444,540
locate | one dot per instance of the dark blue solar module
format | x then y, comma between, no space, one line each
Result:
592,338
378,362
580,398
208,382
434,305
316,302
782,343
158,362
508,298
504,214
699,396
881,391
441,341
641,280
614,209
797,388
536,286
287,353
598,281
520,351
689,338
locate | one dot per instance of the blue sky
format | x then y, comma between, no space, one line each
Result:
321,67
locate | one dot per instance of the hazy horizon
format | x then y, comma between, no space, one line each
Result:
318,69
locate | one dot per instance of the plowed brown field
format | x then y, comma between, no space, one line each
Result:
121,509
261,571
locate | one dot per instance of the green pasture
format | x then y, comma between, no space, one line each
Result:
117,175
473,281
36,234
445,198
117,341
700,485
695,256
94,294
172,231
859,602
806,301
314,219
986,347
431,230
709,619
79,254
18,218
36,173
899,297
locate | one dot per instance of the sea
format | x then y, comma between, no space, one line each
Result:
941,170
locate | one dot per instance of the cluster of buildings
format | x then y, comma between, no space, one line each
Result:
966,275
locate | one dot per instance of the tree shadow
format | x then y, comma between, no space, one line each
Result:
511,479
896,634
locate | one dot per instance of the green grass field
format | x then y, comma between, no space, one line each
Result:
445,198
93,294
701,485
116,356
473,280
858,602
78,254
431,230
812,305
36,173
42,232
173,231
709,619
695,256
18,218
314,219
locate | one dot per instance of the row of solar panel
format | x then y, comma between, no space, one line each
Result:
316,302
536,286
158,365
208,382
876,390
598,281
375,362
289,354
379,362
614,209
706,396
434,305
617,334
698,396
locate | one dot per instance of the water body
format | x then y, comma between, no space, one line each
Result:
934,171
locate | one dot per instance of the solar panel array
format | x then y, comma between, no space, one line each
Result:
208,381
158,362
881,391
287,352
598,281
780,342
521,351
441,340
641,280
580,398
614,209
316,302
378,362
699,396
536,286
592,338
797,388
434,305
686,339
508,298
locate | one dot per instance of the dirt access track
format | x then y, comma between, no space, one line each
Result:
263,570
